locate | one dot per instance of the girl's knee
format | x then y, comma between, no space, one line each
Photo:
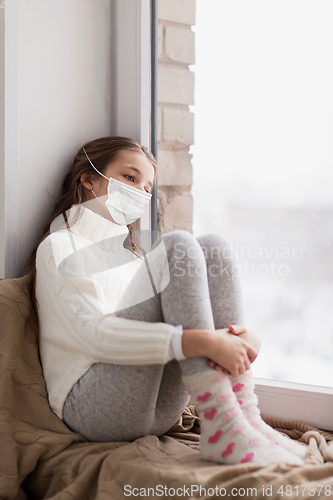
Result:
179,235
182,242
216,246
214,239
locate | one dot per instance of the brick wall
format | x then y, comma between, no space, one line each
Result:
175,121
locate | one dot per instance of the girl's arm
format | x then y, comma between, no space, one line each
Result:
71,319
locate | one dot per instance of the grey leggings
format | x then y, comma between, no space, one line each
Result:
116,402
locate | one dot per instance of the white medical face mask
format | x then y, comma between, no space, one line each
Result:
125,203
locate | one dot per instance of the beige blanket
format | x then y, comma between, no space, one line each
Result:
41,458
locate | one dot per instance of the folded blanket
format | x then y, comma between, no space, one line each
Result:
42,458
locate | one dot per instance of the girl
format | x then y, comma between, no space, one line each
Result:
128,337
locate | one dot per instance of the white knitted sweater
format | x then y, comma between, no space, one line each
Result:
75,332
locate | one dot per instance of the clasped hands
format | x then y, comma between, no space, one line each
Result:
240,349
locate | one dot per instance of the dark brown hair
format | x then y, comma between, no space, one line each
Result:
102,152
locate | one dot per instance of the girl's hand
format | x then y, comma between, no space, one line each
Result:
250,339
236,330
217,367
229,350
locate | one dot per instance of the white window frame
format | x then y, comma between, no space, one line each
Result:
132,75
310,404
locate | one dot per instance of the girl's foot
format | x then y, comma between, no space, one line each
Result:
226,435
243,387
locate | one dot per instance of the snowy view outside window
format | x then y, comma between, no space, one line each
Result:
263,170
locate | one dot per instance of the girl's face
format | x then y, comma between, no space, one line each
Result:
131,167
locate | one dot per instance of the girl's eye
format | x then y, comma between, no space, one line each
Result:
128,175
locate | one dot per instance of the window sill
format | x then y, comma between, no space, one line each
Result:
310,404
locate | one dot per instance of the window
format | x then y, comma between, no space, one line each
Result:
264,84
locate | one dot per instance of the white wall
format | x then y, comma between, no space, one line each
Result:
2,142
67,76
58,95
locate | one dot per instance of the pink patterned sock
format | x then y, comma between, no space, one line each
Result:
226,435
243,387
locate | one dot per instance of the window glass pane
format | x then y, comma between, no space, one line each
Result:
263,170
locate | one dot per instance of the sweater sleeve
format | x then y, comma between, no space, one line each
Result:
73,303
175,348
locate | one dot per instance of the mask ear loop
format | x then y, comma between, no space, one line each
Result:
98,198
100,173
